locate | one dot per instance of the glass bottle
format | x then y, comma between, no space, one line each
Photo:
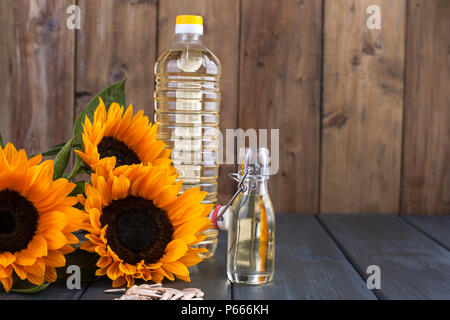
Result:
251,224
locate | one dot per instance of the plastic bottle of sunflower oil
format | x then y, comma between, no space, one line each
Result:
187,102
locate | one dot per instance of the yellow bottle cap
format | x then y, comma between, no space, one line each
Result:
189,24
188,19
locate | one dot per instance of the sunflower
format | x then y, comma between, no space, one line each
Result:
36,218
141,227
116,133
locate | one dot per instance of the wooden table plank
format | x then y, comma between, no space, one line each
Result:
308,265
436,227
56,291
211,278
412,265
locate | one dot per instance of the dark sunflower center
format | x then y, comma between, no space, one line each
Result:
109,147
7,222
137,229
18,221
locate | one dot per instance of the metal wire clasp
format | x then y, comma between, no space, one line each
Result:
241,188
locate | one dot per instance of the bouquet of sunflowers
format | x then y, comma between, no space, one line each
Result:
136,222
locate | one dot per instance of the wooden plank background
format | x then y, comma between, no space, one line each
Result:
362,108
363,114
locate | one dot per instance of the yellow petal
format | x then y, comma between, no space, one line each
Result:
55,259
50,274
37,269
37,246
104,261
20,271
7,283
24,258
55,239
119,282
157,275
120,187
100,272
35,160
88,246
190,259
35,279
174,250
6,258
113,271
185,278
52,220
127,268
177,268
5,271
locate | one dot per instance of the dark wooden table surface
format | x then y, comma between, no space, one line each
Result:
325,257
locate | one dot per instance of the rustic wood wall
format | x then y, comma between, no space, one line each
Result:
364,115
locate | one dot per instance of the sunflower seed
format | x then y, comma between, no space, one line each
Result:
129,297
175,291
177,296
151,286
157,292
188,296
148,293
192,290
115,290
166,296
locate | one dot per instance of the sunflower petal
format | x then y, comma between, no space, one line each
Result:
104,262
119,282
174,251
55,259
50,274
113,271
177,268
6,258
55,239
7,283
35,279
38,246
120,187
20,271
24,258
5,271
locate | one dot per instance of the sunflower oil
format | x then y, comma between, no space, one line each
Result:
251,226
187,102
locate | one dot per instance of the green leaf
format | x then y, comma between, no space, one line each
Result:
61,159
85,260
113,93
78,189
2,144
23,286
55,149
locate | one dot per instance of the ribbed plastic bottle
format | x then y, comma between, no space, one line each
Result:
187,102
